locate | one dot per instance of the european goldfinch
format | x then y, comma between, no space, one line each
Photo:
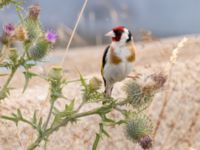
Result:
118,58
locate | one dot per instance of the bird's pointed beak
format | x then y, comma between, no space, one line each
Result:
110,34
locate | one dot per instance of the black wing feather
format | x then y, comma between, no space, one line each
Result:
104,62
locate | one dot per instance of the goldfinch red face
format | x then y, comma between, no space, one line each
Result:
120,34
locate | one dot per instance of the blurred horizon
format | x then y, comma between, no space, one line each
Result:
159,18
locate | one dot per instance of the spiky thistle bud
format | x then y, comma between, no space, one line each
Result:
140,92
33,29
9,29
32,23
55,73
138,128
34,11
8,33
39,49
134,94
55,78
95,83
13,55
21,33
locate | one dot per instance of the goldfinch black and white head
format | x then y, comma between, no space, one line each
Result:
120,35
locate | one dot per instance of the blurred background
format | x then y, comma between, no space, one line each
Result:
144,18
159,25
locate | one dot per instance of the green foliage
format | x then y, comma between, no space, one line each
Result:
28,75
66,113
138,127
30,33
90,93
99,136
4,3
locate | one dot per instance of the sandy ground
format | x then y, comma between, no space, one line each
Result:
179,130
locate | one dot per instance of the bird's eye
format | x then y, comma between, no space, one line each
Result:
118,32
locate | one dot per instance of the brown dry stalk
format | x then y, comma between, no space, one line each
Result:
73,32
169,68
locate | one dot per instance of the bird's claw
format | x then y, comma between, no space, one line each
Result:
134,76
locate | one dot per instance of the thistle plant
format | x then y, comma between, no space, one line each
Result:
36,45
138,127
139,92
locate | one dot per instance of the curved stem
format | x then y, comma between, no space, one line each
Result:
49,114
98,137
34,144
5,86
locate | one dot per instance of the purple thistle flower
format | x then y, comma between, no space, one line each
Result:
51,37
9,29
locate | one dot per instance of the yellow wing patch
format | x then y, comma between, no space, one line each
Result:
132,49
114,59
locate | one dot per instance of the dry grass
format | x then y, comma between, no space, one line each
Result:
180,126
169,70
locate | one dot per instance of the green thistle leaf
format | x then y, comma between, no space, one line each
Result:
83,81
14,119
19,114
28,75
34,119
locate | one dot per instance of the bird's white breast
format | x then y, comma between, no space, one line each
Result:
118,72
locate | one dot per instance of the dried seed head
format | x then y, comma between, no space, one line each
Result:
159,79
138,127
145,142
95,83
55,73
175,51
34,11
21,33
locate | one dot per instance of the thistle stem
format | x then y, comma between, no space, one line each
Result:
96,111
5,86
98,137
34,144
49,114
